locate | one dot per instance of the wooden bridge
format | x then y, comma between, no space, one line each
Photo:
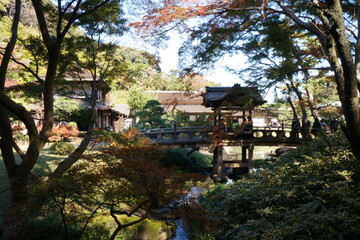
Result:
190,136
230,105
205,136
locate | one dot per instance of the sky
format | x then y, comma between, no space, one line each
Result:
169,61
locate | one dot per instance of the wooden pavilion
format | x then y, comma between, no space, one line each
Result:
229,103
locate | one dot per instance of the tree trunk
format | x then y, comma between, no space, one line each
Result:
336,46
305,130
295,116
345,75
17,211
312,107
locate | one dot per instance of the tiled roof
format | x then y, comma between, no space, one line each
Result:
177,97
232,98
191,109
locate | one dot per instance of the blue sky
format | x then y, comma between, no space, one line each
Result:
169,57
169,60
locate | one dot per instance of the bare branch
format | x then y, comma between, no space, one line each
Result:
18,150
38,6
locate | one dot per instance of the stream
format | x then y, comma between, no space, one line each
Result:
195,192
181,234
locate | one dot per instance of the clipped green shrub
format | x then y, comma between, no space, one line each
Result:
188,160
62,148
311,193
51,227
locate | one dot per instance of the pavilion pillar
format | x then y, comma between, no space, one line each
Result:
217,163
217,116
247,156
243,154
250,158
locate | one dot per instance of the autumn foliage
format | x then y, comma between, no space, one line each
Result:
169,12
123,178
62,132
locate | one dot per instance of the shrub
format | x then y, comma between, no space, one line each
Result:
62,148
21,137
312,193
188,160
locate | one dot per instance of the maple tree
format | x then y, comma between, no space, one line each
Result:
124,178
223,25
54,22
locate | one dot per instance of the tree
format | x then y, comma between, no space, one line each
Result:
54,22
124,178
150,116
137,99
226,23
65,109
281,62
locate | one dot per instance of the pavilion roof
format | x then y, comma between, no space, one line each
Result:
232,98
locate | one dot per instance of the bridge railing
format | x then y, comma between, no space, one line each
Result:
178,134
269,134
204,134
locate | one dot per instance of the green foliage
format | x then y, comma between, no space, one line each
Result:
150,229
50,227
137,99
21,137
151,115
182,119
65,109
82,117
62,148
311,193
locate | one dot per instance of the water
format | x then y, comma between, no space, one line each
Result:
192,196
180,233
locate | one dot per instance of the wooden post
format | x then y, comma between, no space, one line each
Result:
250,158
243,154
174,134
217,164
